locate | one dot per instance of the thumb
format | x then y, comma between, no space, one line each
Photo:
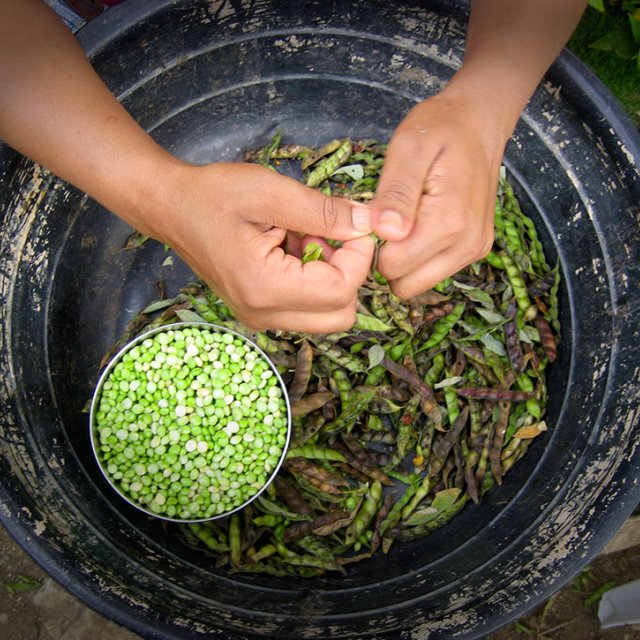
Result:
328,217
400,188
286,203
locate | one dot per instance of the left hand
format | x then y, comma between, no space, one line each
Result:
436,197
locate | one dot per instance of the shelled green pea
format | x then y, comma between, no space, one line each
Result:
190,422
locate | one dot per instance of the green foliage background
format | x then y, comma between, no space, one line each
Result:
605,40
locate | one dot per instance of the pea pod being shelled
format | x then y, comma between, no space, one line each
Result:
423,406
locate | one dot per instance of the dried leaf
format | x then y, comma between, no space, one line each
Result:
135,241
530,430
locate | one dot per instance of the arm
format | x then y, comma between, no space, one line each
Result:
56,110
436,196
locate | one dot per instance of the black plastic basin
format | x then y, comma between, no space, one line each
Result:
209,79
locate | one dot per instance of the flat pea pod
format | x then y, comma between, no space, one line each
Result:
312,252
313,452
235,544
315,156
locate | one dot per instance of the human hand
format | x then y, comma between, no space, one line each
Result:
439,179
229,222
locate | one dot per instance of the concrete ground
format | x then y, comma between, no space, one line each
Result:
35,607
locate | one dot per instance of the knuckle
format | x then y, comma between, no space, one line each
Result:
396,191
478,246
252,322
329,214
344,321
253,300
390,268
342,297
485,245
405,290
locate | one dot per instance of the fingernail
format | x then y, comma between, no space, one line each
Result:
361,218
391,219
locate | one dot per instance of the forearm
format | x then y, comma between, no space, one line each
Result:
510,45
56,110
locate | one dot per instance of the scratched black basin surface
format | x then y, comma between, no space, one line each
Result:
209,79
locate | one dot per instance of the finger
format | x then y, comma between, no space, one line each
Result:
397,258
293,244
353,260
408,162
284,283
281,201
303,321
429,274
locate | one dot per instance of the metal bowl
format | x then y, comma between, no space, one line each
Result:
106,374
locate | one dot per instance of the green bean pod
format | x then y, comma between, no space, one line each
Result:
443,326
325,168
365,514
313,452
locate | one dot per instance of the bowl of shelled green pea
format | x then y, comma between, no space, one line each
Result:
190,422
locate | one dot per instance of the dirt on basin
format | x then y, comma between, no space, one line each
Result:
35,607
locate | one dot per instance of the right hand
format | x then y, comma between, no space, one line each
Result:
229,222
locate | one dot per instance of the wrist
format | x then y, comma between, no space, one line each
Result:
495,105
147,192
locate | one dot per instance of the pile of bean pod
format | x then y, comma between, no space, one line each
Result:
422,407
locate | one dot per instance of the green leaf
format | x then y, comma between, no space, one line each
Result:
186,315
493,344
370,323
634,23
376,355
476,295
268,506
619,41
444,503
354,171
598,5
135,240
158,305
21,583
529,334
491,317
